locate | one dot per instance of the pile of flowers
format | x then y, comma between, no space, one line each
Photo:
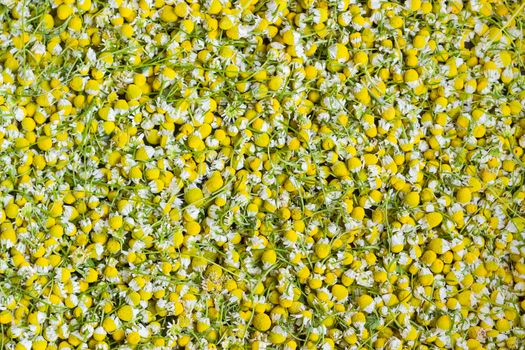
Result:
263,174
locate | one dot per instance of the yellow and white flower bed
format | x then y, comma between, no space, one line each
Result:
254,174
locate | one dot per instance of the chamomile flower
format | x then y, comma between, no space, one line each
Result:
242,170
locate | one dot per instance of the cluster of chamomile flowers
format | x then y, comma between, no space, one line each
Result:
262,174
